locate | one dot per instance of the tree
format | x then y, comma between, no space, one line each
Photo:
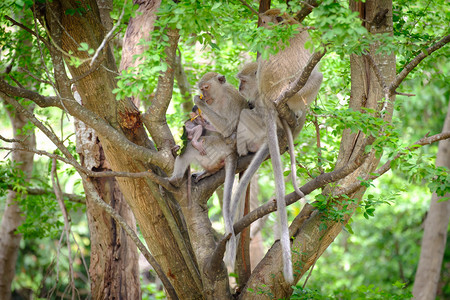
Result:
178,232
435,233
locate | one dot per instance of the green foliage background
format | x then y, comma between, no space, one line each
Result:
376,258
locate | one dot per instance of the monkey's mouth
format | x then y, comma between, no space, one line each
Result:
208,100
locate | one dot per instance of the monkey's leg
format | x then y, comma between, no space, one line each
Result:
230,170
257,160
280,191
181,164
292,155
196,134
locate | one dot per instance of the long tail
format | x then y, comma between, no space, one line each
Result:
280,191
230,169
257,160
292,155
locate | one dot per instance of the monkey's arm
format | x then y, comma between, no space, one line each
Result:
221,124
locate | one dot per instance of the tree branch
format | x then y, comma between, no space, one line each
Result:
249,7
163,181
155,117
212,267
47,44
318,182
412,64
297,85
88,117
307,8
387,165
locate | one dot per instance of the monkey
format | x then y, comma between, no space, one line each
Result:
222,105
273,76
217,150
247,78
250,132
195,127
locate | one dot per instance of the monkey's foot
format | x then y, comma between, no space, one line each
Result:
200,175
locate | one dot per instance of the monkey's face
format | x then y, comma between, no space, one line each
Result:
248,87
268,21
212,88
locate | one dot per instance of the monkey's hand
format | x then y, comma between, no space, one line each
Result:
199,146
198,100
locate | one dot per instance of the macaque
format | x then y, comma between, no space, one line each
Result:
273,76
222,105
195,127
217,150
251,131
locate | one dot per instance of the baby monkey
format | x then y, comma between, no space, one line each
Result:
195,127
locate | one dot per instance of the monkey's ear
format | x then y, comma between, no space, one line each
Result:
279,19
222,79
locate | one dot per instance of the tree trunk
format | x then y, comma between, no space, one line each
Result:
312,235
435,232
13,216
168,243
114,267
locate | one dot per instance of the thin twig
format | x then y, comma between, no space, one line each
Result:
108,35
10,140
413,63
404,94
387,165
29,31
251,8
34,76
59,198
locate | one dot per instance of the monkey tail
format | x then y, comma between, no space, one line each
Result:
257,160
230,168
292,155
280,192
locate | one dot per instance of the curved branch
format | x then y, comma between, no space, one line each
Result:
318,182
155,117
412,64
88,117
387,165
296,86
307,8
249,7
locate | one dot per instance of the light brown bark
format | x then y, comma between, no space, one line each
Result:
435,232
165,241
114,268
13,217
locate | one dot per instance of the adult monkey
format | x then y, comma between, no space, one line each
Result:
222,105
273,76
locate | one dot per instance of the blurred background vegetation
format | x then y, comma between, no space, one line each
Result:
378,254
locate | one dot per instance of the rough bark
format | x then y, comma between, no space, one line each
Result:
144,197
309,241
13,216
114,268
435,232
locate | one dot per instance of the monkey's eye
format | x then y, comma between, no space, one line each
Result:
206,87
243,81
